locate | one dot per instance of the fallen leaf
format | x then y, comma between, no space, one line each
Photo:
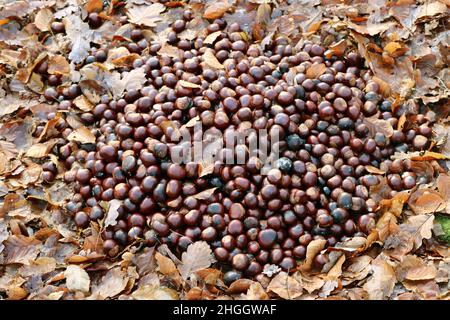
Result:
40,266
188,84
80,34
336,49
421,273
443,185
83,103
378,125
216,9
255,292
374,170
424,201
197,256
112,284
420,227
21,249
77,279
313,249
212,37
152,292
285,287
211,61
205,194
146,15
58,65
316,70
94,6
43,19
40,150
113,213
82,135
381,284
166,266
240,286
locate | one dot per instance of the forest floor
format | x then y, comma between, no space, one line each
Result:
43,255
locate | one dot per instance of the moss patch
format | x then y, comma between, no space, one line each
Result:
444,221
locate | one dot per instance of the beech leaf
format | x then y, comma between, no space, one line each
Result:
82,135
198,256
146,15
77,279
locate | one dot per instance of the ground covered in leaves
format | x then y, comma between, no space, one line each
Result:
44,256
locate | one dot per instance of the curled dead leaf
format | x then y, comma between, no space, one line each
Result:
374,170
426,200
313,249
205,194
210,60
188,84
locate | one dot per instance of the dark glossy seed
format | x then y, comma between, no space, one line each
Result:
267,238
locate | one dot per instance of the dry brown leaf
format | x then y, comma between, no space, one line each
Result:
40,266
378,125
419,227
255,292
421,273
170,51
211,38
313,249
83,103
209,275
40,150
316,70
424,201
146,15
58,65
381,284
154,292
240,286
21,249
43,19
113,213
211,61
166,266
216,9
401,122
77,279
94,6
205,194
16,293
310,283
188,84
82,135
112,284
285,286
427,156
197,256
191,123
374,170
443,185
126,60
336,49
336,271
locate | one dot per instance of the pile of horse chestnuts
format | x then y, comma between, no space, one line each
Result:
317,189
